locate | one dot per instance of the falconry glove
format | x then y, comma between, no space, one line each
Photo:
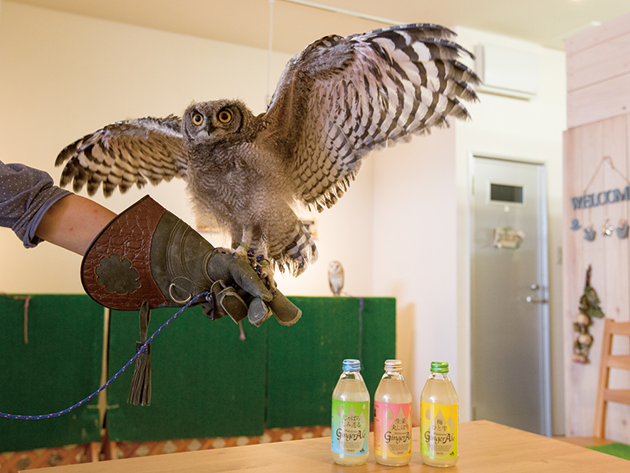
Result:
147,258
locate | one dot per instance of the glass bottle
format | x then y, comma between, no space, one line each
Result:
350,416
438,418
392,417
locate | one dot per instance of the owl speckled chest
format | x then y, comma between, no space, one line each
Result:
234,181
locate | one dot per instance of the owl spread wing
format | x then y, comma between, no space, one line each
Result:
340,98
125,153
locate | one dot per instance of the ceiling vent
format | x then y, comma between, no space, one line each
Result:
508,72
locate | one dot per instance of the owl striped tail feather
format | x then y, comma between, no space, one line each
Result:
295,256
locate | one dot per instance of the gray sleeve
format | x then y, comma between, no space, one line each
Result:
25,196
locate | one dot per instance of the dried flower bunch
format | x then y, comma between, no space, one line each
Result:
589,308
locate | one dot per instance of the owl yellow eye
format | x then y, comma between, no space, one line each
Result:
197,119
225,116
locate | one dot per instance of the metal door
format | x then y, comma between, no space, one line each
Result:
510,362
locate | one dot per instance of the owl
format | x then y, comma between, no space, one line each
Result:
335,277
337,100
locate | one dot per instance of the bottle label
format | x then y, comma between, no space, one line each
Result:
438,430
350,427
392,429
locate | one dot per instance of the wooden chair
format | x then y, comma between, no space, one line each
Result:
604,393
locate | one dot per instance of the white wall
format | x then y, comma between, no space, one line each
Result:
529,131
415,250
421,221
63,75
401,230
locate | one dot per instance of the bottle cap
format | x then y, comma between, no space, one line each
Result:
439,367
351,365
393,365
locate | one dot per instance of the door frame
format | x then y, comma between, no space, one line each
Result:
543,276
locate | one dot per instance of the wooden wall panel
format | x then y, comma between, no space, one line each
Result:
572,264
599,101
598,108
599,63
585,172
579,167
616,298
601,34
598,73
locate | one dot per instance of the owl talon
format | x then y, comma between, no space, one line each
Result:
266,273
260,264
242,251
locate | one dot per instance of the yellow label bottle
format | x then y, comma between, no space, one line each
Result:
438,418
392,417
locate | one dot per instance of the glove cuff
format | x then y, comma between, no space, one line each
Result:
116,269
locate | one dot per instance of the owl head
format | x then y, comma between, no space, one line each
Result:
334,267
215,121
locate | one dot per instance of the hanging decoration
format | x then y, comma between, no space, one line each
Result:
622,229
508,237
603,198
575,224
608,229
589,233
589,308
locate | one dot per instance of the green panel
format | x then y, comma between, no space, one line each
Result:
60,365
206,382
379,338
305,359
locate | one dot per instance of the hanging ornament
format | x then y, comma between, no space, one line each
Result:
622,229
508,237
589,233
589,308
608,228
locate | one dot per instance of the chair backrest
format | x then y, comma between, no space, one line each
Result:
608,361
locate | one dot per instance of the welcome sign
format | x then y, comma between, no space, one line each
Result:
601,198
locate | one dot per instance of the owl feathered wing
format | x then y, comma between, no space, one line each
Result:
340,98
125,153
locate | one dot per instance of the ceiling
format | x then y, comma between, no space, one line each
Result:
298,22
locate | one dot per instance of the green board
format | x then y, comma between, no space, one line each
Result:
206,381
60,365
305,359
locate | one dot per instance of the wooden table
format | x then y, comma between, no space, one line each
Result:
485,447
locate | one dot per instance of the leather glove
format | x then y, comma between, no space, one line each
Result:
147,254
147,257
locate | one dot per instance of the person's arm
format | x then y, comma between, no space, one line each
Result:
73,222
35,209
